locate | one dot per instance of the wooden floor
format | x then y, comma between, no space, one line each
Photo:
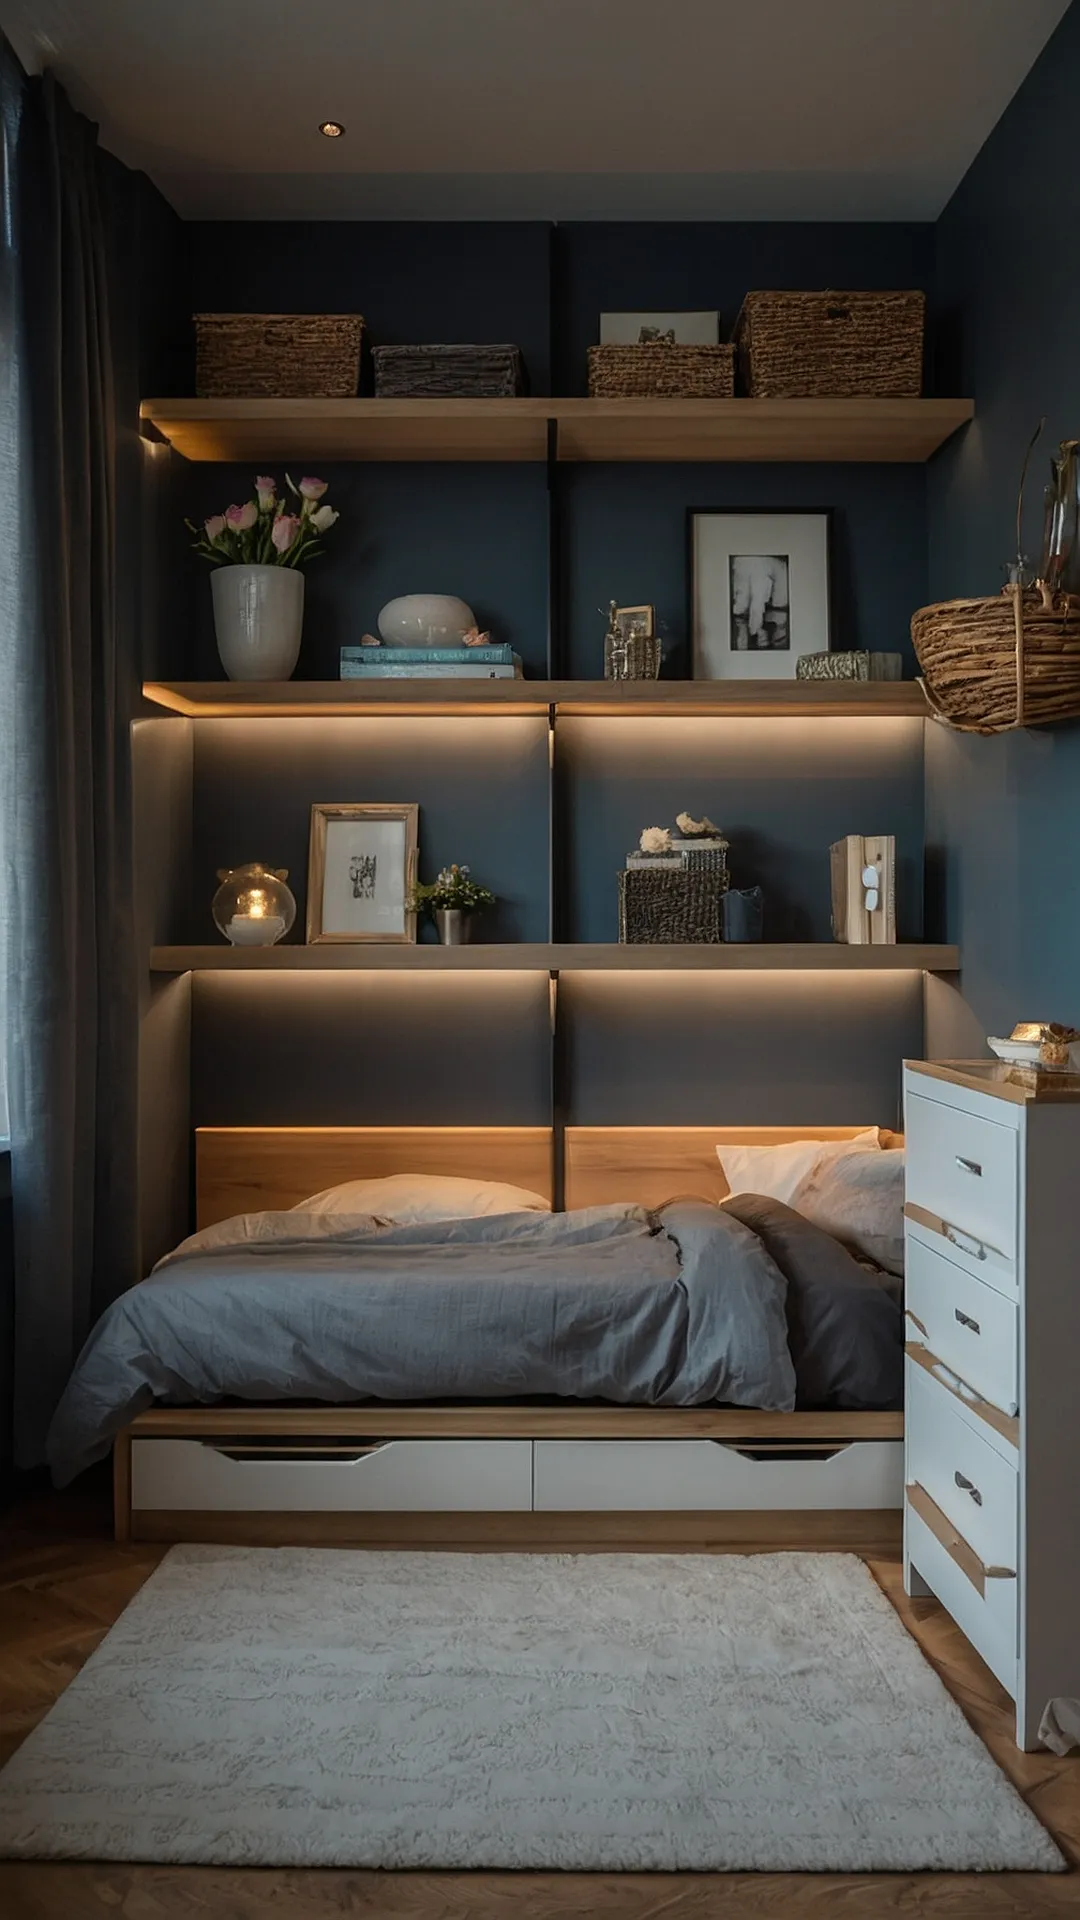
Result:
63,1583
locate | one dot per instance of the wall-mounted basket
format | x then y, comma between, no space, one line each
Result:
841,345
307,356
990,666
662,370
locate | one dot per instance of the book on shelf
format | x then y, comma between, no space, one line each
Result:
862,870
497,655
430,670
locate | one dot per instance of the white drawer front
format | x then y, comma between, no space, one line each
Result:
988,1619
964,1169
595,1476
975,1257
974,1485
968,1325
402,1476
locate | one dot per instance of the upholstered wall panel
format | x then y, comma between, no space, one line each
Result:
364,1049
756,1049
482,788
783,790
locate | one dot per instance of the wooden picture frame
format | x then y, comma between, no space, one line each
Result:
344,869
632,621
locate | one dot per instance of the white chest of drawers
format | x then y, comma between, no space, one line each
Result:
992,1443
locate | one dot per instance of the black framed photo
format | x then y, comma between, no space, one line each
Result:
759,591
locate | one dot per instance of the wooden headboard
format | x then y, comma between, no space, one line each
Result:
248,1169
652,1164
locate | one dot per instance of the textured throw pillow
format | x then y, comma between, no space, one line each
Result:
407,1199
779,1171
859,1199
845,1324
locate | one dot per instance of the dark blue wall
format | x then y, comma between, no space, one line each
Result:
483,532
639,266
1003,814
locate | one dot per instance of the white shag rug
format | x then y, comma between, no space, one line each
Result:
317,1707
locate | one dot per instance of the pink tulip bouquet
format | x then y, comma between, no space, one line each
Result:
269,531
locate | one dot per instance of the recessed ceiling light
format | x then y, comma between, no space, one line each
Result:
333,129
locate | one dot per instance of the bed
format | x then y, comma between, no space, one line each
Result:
513,1472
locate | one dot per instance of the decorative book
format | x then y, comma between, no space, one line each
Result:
497,654
863,874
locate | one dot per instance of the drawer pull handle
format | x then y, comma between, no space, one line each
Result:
966,1320
969,1166
968,1486
965,1241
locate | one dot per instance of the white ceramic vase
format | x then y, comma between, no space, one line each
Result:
425,620
258,617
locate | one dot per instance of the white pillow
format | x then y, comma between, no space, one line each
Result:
777,1172
859,1199
409,1199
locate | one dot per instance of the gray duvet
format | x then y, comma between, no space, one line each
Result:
603,1304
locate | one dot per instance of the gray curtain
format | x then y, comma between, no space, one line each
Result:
68,677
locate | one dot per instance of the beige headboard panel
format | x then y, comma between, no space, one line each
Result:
247,1169
652,1164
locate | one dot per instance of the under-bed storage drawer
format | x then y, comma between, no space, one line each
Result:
970,1327
964,1169
596,1476
400,1476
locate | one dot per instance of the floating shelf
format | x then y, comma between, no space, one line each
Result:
511,956
582,430
209,699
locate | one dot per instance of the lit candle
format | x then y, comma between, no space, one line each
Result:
255,927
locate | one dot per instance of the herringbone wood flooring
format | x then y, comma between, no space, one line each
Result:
63,1583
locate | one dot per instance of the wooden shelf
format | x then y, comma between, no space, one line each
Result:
585,430
209,699
528,956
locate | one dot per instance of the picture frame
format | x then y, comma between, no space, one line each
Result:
678,329
760,590
636,621
361,872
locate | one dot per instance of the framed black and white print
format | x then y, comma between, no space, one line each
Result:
361,872
759,592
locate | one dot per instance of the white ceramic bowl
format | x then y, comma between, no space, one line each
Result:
425,620
1025,1053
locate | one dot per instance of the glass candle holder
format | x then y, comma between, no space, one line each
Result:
253,907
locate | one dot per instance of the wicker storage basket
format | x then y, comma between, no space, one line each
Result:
991,665
448,373
298,355
659,906
801,345
662,371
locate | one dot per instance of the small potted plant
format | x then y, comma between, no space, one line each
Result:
452,897
257,551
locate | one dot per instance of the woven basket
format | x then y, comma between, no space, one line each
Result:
294,355
448,373
662,371
661,907
800,345
992,665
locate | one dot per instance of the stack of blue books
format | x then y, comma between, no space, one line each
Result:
430,663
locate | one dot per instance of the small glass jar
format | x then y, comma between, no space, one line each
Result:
253,907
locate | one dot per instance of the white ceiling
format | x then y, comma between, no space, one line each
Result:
547,109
